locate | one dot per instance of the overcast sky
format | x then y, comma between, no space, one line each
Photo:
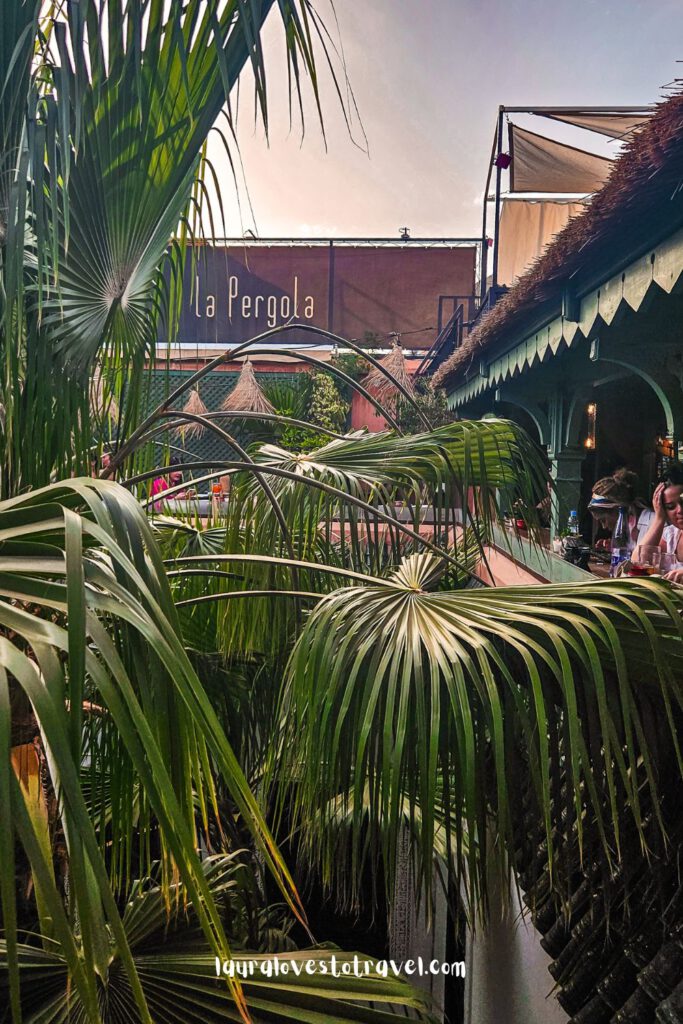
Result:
428,76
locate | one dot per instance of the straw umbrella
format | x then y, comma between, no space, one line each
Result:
102,406
247,395
382,387
195,406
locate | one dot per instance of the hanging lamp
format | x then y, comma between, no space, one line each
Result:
380,385
195,406
247,395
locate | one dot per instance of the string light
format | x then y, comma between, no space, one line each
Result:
591,413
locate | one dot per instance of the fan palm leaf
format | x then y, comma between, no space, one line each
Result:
109,133
137,88
429,697
85,610
180,982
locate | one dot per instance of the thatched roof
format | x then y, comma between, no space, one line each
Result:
380,385
641,203
247,395
194,405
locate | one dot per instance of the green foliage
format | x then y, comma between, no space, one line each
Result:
85,599
431,401
102,172
327,625
354,366
178,970
447,703
291,398
325,407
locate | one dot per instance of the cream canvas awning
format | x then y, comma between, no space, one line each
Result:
526,227
615,124
543,165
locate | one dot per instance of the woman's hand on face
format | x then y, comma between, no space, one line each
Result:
658,503
675,576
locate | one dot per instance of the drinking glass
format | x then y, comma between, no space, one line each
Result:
645,560
666,563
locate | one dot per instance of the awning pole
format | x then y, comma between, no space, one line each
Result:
499,172
484,246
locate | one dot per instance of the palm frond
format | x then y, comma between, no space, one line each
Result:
103,154
464,473
79,561
445,699
181,983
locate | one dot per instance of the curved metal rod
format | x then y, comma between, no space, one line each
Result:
178,417
228,594
268,416
329,489
265,486
336,372
322,567
231,354
224,357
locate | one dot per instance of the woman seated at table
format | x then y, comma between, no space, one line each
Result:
620,490
666,528
164,483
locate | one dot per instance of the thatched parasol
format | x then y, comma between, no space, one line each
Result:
101,406
196,407
247,395
382,387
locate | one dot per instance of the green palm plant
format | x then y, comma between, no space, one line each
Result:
446,703
338,504
105,115
440,704
407,691
178,975
87,621
105,110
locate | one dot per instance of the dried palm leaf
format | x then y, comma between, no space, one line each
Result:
247,395
195,406
380,385
103,405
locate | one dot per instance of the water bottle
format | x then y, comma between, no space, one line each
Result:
620,542
573,524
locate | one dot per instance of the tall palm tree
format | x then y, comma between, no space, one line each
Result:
105,109
104,115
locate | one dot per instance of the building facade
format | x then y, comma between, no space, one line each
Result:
586,350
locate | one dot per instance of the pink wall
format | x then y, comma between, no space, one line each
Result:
364,414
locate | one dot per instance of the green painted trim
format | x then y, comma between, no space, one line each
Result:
659,269
546,564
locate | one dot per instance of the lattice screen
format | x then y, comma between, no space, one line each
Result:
213,389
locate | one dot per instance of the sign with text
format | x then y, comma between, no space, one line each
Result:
360,292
